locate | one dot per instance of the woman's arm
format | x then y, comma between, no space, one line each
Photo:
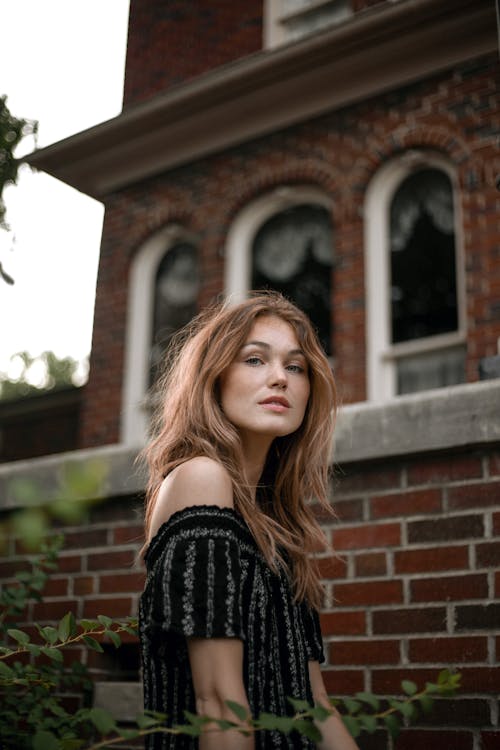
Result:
217,670
335,735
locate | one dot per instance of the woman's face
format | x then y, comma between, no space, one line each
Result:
265,391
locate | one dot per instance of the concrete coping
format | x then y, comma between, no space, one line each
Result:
457,417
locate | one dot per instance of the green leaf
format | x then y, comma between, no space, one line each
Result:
308,729
237,709
102,720
280,723
5,671
52,653
352,705
19,636
196,720
224,724
426,703
131,630
104,620
67,627
392,725
93,644
430,687
44,740
409,687
188,729
144,722
88,625
320,713
395,704
113,637
352,725
50,634
299,705
30,526
369,698
369,723
129,734
444,677
408,710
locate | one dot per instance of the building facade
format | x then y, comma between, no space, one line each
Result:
345,152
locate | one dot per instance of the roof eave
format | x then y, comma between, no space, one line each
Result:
271,90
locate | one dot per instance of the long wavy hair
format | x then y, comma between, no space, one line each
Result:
189,422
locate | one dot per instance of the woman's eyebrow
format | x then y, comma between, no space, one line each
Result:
265,345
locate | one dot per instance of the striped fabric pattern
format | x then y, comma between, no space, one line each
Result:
207,579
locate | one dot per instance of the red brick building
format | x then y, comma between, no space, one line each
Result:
346,152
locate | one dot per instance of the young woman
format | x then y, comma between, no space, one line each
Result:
230,606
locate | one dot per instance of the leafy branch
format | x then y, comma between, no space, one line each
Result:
67,633
306,719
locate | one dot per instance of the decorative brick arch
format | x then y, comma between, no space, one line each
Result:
308,172
441,140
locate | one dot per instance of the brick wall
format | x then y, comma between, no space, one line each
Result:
414,587
455,113
171,42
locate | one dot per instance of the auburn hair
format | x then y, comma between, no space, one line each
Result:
189,422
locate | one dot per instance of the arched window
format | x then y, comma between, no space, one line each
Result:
415,325
175,298
292,253
284,241
163,293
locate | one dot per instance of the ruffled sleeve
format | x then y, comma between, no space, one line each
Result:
312,630
196,574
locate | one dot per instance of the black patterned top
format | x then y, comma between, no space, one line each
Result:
207,579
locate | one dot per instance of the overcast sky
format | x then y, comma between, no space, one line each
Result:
61,63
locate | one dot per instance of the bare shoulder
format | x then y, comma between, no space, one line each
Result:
198,481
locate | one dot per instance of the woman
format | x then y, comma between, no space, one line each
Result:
230,606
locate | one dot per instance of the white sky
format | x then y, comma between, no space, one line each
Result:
61,63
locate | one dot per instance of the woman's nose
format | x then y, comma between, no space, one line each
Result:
278,376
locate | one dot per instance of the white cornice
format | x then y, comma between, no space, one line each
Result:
388,45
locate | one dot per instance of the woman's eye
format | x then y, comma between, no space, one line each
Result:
253,361
295,368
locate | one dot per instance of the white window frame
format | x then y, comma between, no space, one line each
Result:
382,355
248,221
139,331
277,18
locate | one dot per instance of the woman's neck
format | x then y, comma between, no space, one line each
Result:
254,458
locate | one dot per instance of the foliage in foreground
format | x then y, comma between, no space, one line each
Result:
33,680
12,131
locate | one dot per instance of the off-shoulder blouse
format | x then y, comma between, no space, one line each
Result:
206,578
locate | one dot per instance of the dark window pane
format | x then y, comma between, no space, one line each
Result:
423,272
175,301
293,254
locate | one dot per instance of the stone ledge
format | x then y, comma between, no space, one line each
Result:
458,417
115,463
